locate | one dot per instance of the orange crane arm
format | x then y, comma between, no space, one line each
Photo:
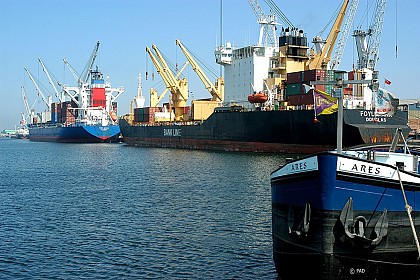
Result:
321,59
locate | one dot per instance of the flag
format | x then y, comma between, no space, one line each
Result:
324,103
387,82
384,102
307,88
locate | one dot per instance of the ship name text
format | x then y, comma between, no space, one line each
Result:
172,132
366,169
371,117
298,166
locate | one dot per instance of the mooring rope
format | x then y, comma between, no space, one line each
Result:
409,210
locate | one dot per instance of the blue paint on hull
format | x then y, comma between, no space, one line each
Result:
329,190
321,243
75,134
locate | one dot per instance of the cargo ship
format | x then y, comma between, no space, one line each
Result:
277,131
262,103
284,121
86,113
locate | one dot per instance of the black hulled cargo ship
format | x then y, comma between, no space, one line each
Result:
292,131
285,121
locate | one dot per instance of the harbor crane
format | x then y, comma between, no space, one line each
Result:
368,51
60,97
80,95
267,25
321,58
177,87
217,90
67,89
84,77
29,110
344,35
48,100
154,97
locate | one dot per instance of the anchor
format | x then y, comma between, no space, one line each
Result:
302,228
353,230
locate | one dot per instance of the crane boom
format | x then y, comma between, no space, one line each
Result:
321,59
215,92
344,35
154,101
368,51
72,71
376,32
174,83
170,81
25,101
159,68
48,103
84,77
50,80
165,68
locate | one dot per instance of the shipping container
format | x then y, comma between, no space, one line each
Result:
319,87
350,75
328,89
314,75
302,99
294,89
294,77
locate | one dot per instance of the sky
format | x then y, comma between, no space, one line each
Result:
57,29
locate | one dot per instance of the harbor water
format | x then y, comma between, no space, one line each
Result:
110,211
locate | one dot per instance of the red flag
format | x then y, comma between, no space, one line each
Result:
388,82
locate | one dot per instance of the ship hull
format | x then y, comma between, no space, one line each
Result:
328,193
75,134
267,131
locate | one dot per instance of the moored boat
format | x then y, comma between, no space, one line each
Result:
283,131
84,114
287,122
347,216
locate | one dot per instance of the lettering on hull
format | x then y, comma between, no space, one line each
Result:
172,132
370,116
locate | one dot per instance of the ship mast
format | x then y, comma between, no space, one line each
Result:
339,84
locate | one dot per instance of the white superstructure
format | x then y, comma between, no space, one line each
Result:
245,70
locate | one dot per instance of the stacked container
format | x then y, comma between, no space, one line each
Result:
146,114
296,94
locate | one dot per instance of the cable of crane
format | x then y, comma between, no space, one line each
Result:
279,13
212,71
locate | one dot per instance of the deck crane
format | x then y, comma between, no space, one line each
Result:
322,57
29,110
368,52
25,101
154,98
82,80
67,90
177,87
47,102
217,90
60,97
84,77
344,35
267,25
72,70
